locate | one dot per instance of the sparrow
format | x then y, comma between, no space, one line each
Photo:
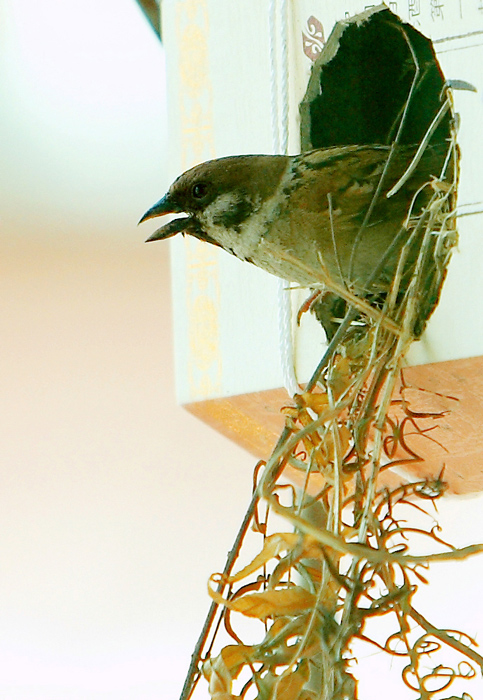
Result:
320,216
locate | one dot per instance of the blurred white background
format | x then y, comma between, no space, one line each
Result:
110,522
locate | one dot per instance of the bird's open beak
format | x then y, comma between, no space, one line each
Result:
164,206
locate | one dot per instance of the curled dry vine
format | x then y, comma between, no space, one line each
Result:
345,557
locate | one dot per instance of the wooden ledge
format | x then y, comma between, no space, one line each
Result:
455,441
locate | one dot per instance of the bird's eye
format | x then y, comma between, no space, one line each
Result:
199,190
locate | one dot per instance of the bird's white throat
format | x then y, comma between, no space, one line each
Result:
241,240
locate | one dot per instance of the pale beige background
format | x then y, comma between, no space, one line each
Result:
115,504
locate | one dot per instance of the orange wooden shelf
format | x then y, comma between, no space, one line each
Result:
455,441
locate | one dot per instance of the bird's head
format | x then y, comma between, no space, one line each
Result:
218,197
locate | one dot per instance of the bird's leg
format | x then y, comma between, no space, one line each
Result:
308,304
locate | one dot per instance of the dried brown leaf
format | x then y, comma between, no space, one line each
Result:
270,603
275,545
229,662
220,679
291,684
316,402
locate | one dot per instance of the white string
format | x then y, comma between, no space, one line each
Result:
284,81
279,105
272,19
